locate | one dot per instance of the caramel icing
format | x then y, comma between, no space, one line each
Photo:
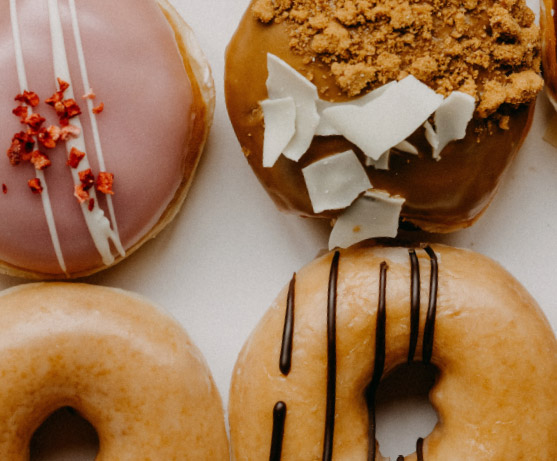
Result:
126,52
440,195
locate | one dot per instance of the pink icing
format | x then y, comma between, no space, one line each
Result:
135,69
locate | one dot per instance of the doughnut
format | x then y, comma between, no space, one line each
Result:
486,52
549,49
305,381
126,367
105,110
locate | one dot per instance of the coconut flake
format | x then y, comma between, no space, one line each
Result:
280,126
386,120
451,120
282,82
375,214
335,182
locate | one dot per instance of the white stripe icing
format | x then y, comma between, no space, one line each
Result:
45,197
93,118
97,223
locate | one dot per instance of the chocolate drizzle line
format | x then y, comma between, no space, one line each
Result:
279,417
420,449
379,362
414,303
331,359
429,328
279,411
288,331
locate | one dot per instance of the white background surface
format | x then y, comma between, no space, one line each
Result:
220,264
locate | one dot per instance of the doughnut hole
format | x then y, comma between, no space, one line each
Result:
64,436
403,410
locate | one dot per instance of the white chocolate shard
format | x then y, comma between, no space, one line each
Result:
405,146
451,120
334,182
280,126
382,163
282,82
431,136
325,128
375,214
388,119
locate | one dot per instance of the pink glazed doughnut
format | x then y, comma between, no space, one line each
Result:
145,99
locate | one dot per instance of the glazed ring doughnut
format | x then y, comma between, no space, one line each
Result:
304,383
108,128
126,367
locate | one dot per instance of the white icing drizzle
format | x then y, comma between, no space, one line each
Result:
97,223
93,118
45,197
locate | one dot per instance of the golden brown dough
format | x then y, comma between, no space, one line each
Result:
495,351
129,369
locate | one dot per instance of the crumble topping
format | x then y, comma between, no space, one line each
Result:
489,50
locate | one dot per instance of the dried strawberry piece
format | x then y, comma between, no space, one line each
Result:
48,137
87,178
55,99
65,108
104,182
75,157
69,131
21,112
35,185
98,109
15,152
28,97
89,95
63,85
40,160
72,109
80,193
91,204
22,145
34,121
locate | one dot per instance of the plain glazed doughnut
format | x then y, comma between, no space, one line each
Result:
126,367
303,386
344,50
146,97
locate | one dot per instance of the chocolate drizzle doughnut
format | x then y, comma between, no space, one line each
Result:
482,325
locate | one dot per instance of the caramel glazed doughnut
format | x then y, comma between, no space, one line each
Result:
129,369
351,317
485,52
124,83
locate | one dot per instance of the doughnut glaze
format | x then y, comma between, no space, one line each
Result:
126,367
440,196
137,59
354,315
